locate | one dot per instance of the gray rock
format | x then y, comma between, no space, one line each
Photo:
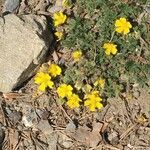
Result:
70,127
65,141
11,5
45,127
147,9
24,43
113,137
52,141
13,115
57,7
29,118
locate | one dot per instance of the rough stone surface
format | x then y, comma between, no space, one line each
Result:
24,43
11,5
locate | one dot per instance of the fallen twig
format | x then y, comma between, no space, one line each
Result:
126,133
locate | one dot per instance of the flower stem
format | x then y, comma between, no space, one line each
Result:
112,36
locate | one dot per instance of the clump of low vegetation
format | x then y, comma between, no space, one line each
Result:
109,51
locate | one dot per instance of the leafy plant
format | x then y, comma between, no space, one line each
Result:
90,27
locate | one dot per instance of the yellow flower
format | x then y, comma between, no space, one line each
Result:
59,18
64,90
44,80
100,82
77,55
110,48
96,93
59,35
73,101
122,26
54,70
93,101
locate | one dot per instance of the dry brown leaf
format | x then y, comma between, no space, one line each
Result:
86,136
97,126
57,7
44,68
13,139
65,55
12,95
94,137
41,6
81,133
106,123
55,56
45,127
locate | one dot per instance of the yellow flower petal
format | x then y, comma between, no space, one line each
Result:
100,82
122,26
56,16
96,93
42,87
77,54
73,101
129,25
37,80
64,90
59,35
72,104
99,105
110,48
118,23
40,77
105,46
123,20
114,51
87,102
50,84
107,52
59,18
54,70
96,83
93,101
92,107
44,81
126,31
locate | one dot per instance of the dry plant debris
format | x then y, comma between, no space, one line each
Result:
87,95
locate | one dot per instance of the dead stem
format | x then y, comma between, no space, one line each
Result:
128,131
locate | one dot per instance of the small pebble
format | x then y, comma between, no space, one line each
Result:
136,94
147,9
